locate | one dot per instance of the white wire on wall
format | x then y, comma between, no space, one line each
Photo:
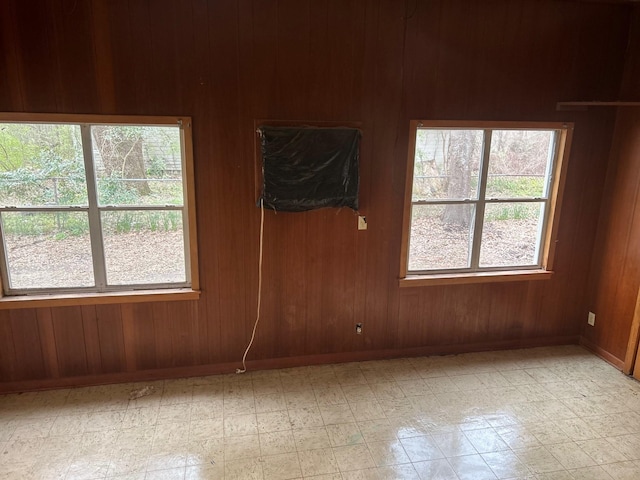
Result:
255,325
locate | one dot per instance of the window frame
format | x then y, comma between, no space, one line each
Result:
476,274
100,292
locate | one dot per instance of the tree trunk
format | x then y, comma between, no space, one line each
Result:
122,157
461,147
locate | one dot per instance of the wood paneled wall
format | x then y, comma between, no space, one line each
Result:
615,276
227,63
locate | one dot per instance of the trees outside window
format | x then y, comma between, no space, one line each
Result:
482,195
90,205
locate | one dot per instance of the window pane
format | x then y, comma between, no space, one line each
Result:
41,164
446,164
440,236
510,235
519,162
143,247
138,165
48,250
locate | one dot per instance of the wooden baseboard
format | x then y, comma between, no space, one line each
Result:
603,354
283,362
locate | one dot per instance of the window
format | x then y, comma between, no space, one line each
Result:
481,197
95,204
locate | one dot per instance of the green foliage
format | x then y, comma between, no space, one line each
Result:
515,187
138,221
512,211
42,164
155,167
113,191
59,224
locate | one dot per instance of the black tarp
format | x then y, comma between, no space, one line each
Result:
305,168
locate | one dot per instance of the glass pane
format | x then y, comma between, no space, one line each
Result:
41,164
446,164
518,163
143,247
440,236
48,250
511,234
138,165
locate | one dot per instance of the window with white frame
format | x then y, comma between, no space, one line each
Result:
94,204
481,196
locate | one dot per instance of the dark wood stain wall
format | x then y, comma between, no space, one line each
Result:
377,62
615,277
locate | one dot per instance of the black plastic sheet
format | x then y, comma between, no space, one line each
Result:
305,168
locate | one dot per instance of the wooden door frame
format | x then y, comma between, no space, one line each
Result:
630,363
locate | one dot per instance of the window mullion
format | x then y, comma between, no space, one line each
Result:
185,204
482,189
95,227
4,264
554,153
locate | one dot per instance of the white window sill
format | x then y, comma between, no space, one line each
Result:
74,299
475,277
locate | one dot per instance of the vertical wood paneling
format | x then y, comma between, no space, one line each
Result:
70,341
48,342
163,331
615,269
454,57
290,316
92,339
505,305
111,337
183,319
629,89
615,277
144,79
231,199
140,335
338,282
129,337
387,21
594,165
390,192
117,73
368,92
285,312
316,320
165,38
103,58
252,106
8,367
380,63
10,77
209,325
73,46
175,330
26,338
410,319
36,57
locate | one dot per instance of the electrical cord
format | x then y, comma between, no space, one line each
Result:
255,325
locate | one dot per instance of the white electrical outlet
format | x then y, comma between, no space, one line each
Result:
592,319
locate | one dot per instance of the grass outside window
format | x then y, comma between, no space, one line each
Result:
482,199
96,205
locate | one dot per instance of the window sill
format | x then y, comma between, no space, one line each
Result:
75,299
477,277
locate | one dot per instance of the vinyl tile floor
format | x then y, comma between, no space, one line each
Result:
546,413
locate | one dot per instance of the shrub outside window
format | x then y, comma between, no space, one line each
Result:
482,196
95,204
